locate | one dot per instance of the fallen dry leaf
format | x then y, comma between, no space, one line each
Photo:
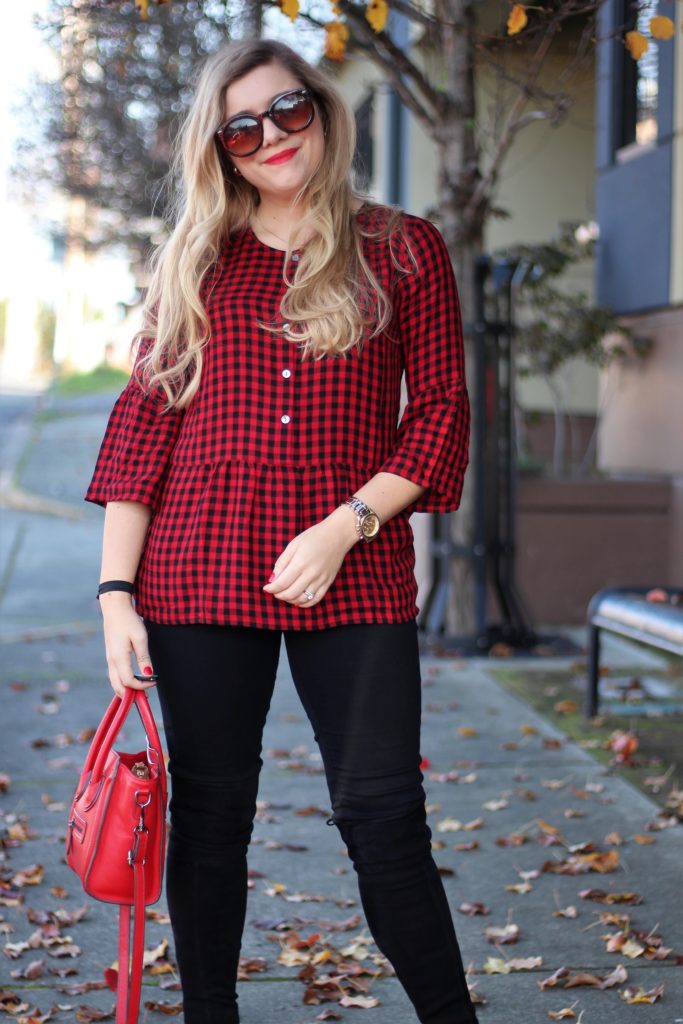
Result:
618,976
600,896
364,1002
639,995
464,847
168,1009
553,979
502,934
467,731
448,825
521,888
569,911
495,805
88,1014
472,907
566,1013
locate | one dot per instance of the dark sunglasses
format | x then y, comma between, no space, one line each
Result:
242,135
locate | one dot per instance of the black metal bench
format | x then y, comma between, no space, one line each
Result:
625,610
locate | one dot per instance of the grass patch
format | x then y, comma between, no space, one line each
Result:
102,378
659,736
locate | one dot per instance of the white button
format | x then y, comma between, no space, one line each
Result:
286,374
285,418
295,257
285,327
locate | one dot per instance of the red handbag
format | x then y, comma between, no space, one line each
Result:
116,836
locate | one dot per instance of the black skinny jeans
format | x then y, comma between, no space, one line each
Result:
360,687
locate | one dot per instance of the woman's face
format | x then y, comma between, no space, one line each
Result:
276,180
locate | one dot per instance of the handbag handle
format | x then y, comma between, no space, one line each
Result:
102,730
116,716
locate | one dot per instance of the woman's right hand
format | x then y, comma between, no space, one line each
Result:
124,635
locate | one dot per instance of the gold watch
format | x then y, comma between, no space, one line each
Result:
367,521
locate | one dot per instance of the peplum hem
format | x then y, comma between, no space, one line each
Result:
221,526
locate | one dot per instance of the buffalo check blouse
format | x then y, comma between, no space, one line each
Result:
271,444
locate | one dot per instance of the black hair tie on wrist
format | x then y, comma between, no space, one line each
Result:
105,588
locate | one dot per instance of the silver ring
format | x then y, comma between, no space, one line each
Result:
308,595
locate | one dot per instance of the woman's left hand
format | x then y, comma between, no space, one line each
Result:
311,561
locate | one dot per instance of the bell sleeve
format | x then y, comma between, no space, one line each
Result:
135,452
432,441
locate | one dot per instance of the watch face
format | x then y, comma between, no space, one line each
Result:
370,525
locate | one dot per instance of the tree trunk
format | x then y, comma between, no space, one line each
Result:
462,229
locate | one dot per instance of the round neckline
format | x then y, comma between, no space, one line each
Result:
265,245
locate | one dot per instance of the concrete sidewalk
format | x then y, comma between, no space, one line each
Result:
54,685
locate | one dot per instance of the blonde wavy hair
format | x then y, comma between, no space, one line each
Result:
333,299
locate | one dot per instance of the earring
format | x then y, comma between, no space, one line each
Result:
239,173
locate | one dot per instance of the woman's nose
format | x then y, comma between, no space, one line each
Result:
271,133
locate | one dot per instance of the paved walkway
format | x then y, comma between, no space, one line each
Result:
521,798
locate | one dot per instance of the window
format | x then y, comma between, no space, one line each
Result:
637,97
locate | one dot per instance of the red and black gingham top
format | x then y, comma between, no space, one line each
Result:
272,444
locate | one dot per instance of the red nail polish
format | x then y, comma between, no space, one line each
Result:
148,670
271,577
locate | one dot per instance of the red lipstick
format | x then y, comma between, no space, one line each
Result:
282,157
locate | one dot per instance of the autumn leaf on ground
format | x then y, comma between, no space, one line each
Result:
88,1014
32,971
467,731
582,862
601,896
514,839
341,926
31,875
624,744
502,934
569,911
643,840
566,1013
250,965
553,979
307,812
618,976
639,995
472,907
80,988
305,897
495,805
152,956
4,782
160,916
448,825
525,963
553,783
168,1009
519,887
364,1002
466,847
565,707
583,978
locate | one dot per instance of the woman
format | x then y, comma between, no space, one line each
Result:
256,485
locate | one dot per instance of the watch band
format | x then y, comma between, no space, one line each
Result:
367,520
